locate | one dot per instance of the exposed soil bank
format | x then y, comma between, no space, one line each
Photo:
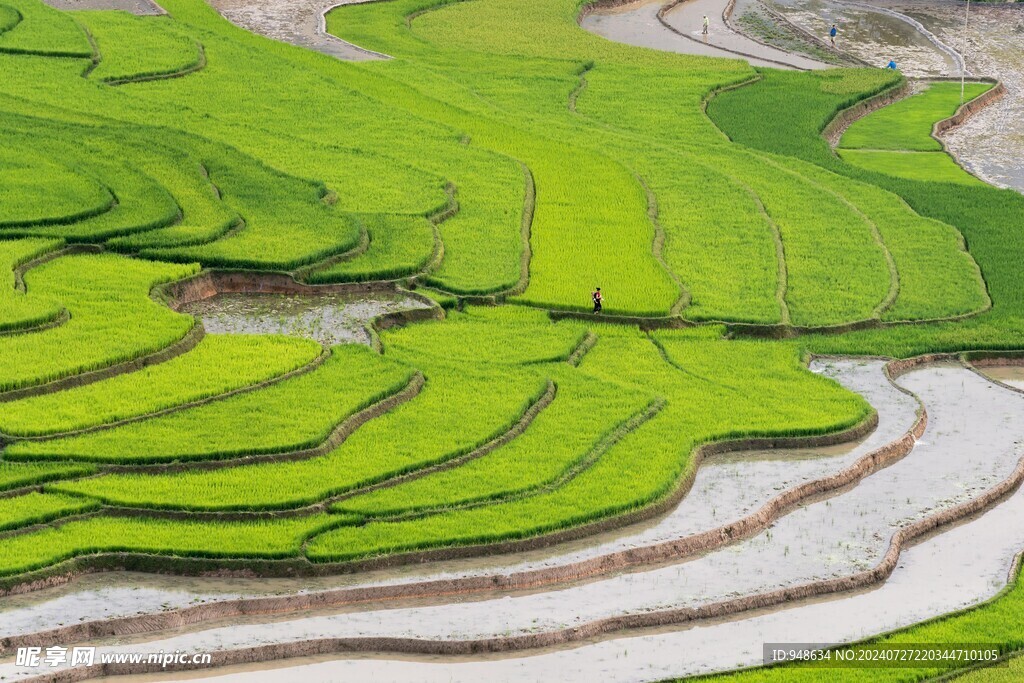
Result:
299,22
327,318
961,567
970,446
727,487
639,24
830,538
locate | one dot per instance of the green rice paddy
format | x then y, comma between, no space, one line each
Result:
505,163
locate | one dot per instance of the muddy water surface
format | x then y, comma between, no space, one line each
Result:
991,143
299,22
961,567
637,24
327,318
873,35
726,488
972,442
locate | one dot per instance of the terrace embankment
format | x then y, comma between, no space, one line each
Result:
849,529
695,522
299,22
961,567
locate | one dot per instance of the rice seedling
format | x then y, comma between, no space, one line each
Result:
217,365
907,124
297,413
17,309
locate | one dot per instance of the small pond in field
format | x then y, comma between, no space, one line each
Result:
327,318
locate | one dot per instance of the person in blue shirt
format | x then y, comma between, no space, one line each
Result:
832,34
891,65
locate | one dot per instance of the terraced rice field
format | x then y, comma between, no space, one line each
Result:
783,390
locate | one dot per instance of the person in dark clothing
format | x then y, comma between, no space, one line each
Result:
832,34
598,300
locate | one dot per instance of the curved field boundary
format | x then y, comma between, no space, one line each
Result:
844,118
183,345
918,26
337,435
588,460
322,30
62,317
969,108
676,3
525,257
341,432
901,538
807,35
580,86
658,250
315,363
360,248
627,560
198,65
415,386
577,355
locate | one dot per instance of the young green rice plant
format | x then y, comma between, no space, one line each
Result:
836,271
18,310
583,413
219,364
112,319
937,167
907,124
14,475
985,216
38,508
9,18
42,30
294,414
739,375
447,419
266,539
937,277
399,246
134,48
35,191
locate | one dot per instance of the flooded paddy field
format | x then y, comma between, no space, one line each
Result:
969,446
327,318
679,30
299,22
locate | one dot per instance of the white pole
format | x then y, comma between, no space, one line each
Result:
963,57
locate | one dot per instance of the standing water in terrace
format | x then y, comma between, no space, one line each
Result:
327,318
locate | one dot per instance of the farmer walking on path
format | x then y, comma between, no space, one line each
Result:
832,34
705,31
598,300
